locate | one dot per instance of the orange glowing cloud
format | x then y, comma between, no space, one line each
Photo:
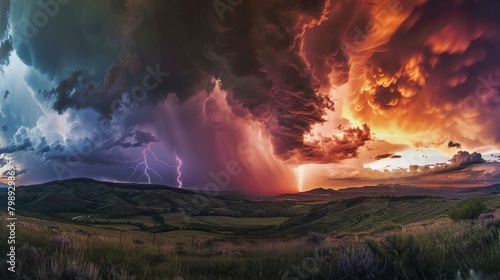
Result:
426,76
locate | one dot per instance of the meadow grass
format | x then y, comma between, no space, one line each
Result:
439,250
350,245
87,251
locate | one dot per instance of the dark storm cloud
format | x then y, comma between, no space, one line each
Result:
43,147
465,158
325,45
144,138
5,40
100,151
4,16
151,59
452,144
382,156
255,52
18,172
16,147
265,46
141,138
71,158
277,58
5,50
3,162
79,92
85,36
82,140
78,47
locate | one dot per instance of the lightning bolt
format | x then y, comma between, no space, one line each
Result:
301,177
147,170
144,162
179,174
204,111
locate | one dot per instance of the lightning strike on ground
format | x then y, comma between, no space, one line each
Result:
179,174
301,178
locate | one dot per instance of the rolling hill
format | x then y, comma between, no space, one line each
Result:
361,209
106,199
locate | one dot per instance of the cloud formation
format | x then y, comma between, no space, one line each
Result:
452,144
465,158
265,71
435,73
463,169
5,40
315,82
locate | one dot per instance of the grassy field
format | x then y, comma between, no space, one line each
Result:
371,214
241,222
384,237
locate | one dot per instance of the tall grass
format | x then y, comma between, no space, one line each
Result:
77,252
451,250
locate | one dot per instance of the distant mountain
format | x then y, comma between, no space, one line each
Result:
319,191
397,189
87,196
84,195
3,186
489,190
378,190
394,190
107,199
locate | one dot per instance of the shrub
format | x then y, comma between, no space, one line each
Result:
468,210
358,263
406,257
35,264
119,272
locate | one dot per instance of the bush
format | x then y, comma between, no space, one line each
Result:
468,210
404,257
36,264
358,263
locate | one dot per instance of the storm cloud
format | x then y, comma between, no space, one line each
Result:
5,40
308,82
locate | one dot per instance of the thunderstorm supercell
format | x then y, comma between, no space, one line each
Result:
293,95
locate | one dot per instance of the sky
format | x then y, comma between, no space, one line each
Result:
255,96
